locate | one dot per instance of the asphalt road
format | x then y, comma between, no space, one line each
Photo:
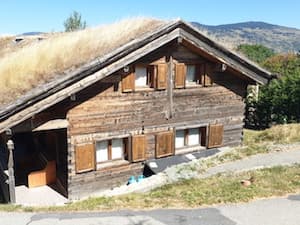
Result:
275,211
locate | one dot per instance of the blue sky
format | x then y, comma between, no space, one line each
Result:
18,16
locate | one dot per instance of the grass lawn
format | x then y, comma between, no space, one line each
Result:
257,142
226,188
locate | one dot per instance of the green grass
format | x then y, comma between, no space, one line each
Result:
259,142
225,188
279,134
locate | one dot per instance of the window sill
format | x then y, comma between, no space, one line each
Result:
187,149
142,88
111,164
191,85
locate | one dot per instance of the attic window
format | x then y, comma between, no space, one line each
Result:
141,76
191,74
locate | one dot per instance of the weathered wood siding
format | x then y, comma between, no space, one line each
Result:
104,111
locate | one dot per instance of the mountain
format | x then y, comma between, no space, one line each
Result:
279,38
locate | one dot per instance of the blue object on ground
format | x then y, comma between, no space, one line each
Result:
131,180
140,178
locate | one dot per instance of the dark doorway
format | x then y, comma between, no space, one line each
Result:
33,152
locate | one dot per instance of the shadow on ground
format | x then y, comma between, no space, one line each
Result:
207,216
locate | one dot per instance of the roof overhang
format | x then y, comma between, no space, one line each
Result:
53,125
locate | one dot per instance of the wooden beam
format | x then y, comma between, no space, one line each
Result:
53,125
170,87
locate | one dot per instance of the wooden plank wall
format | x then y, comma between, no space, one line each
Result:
113,112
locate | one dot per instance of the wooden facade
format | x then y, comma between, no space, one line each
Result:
147,117
178,93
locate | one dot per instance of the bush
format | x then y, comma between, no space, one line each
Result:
278,102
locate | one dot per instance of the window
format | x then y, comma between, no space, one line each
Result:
141,76
193,136
179,139
110,150
190,137
191,74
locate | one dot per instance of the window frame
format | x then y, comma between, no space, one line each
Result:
109,150
202,132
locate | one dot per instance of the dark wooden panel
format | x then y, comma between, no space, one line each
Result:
85,158
215,136
128,82
164,144
180,74
161,76
138,148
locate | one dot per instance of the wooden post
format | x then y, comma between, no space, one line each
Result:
11,176
170,86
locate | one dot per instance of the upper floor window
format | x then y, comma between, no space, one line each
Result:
191,76
141,76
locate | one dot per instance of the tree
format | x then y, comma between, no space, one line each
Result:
278,102
74,22
257,53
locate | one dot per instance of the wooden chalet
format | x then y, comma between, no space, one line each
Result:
168,92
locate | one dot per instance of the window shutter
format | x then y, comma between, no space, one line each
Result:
215,136
85,158
207,76
200,70
164,144
128,81
151,76
203,136
138,148
180,74
161,76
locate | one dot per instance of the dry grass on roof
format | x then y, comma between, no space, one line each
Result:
37,63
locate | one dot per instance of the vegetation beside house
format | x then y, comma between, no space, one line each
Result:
279,101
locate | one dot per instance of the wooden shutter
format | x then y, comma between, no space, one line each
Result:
164,144
208,76
203,136
85,158
151,76
200,71
215,136
161,76
138,148
128,81
180,75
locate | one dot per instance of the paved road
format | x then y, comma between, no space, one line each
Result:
254,162
275,211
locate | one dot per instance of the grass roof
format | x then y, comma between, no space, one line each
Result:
35,63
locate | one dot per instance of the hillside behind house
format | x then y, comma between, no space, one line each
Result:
279,38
